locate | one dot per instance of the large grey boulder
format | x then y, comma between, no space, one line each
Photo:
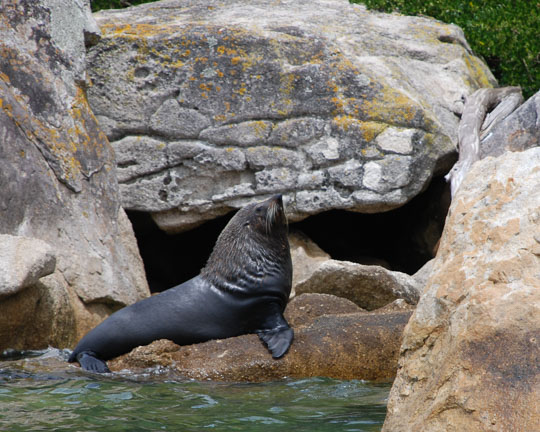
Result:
213,104
58,182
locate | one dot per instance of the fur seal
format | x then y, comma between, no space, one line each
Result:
243,288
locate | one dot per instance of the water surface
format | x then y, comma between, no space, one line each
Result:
39,392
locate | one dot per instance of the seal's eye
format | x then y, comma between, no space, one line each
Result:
258,210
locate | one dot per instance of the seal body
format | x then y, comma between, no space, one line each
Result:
243,288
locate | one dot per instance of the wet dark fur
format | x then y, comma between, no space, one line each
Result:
253,244
243,288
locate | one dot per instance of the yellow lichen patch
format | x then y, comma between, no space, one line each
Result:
260,128
477,71
344,121
176,64
242,90
390,106
161,55
134,31
339,106
287,83
369,130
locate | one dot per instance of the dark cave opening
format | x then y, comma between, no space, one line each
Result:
170,259
402,239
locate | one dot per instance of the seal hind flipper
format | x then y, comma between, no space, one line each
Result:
277,340
90,362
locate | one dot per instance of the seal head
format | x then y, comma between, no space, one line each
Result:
252,248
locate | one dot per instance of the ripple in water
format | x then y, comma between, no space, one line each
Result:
37,399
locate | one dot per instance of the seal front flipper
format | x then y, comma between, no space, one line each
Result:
277,340
90,362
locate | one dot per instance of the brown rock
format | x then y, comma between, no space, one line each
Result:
37,316
470,359
304,309
306,256
370,287
360,345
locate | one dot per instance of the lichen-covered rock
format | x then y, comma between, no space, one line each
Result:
57,179
470,358
212,104
344,345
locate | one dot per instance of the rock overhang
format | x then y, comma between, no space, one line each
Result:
210,106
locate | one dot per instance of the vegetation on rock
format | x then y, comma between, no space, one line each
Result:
505,34
115,4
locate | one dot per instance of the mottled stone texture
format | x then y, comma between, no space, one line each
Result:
470,358
57,180
214,104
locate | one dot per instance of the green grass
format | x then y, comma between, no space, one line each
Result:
506,34
115,4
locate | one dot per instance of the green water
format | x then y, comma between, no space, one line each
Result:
35,396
